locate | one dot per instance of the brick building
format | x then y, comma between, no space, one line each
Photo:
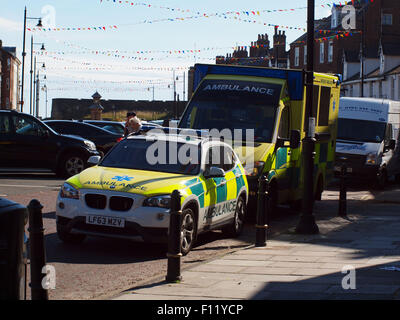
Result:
260,53
381,25
9,78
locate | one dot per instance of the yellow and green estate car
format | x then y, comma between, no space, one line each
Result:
127,194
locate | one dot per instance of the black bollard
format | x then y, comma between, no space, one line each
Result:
174,239
343,192
37,250
261,226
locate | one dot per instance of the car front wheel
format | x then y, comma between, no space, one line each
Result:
188,231
71,164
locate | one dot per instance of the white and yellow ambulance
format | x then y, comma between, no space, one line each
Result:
128,193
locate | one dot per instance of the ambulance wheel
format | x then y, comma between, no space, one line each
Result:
188,230
235,229
296,205
68,237
319,190
272,203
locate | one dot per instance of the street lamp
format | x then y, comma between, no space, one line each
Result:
31,71
307,223
148,89
44,88
39,25
36,86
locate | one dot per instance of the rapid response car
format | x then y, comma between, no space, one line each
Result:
128,193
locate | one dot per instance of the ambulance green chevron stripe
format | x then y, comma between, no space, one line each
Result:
198,191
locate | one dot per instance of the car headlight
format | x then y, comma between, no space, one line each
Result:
255,170
68,191
90,145
371,159
158,201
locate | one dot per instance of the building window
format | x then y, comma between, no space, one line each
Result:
380,90
351,91
387,19
371,89
297,56
334,19
392,88
305,55
330,51
322,52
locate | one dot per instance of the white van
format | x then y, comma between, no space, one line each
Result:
368,139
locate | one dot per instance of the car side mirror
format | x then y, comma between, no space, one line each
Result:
93,160
391,145
214,172
280,143
294,139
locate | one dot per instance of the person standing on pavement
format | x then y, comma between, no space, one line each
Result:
132,124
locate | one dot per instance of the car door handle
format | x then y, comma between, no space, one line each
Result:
222,183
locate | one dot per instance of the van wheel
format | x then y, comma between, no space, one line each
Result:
381,179
69,238
188,231
71,164
235,229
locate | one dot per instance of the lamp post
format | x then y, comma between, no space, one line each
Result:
148,89
307,223
37,87
24,54
31,72
44,88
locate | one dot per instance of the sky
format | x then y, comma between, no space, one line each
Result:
143,47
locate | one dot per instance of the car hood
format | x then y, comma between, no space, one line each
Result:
142,182
72,136
250,154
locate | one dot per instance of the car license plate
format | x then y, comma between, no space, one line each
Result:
106,221
339,169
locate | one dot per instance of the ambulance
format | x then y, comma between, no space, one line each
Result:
270,103
128,193
368,139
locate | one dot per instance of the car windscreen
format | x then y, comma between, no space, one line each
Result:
232,104
361,130
171,157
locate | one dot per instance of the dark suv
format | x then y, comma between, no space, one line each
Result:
27,143
103,139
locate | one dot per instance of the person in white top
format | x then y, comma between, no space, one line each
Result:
132,124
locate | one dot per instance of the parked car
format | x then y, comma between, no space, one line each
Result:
103,139
113,126
28,144
126,195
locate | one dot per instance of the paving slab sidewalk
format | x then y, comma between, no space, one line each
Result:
292,266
